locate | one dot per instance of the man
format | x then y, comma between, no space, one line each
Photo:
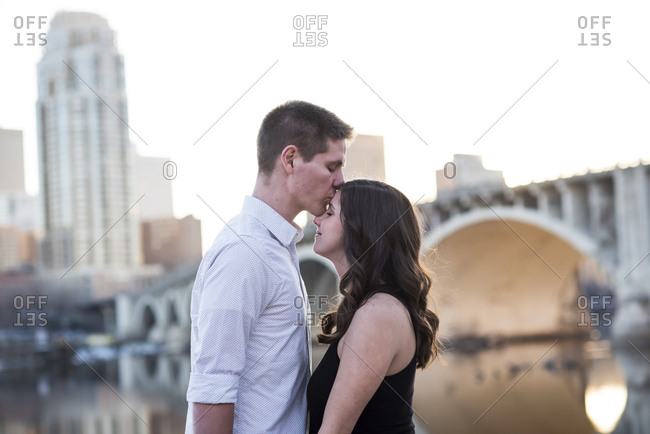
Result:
250,344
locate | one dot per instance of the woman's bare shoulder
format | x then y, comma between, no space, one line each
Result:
381,309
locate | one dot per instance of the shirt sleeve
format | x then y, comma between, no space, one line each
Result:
235,290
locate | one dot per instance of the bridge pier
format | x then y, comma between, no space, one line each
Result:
159,314
632,206
632,317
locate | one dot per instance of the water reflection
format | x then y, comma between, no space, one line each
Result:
541,387
606,392
532,388
130,395
636,366
566,386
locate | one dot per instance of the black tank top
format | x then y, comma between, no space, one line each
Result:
388,411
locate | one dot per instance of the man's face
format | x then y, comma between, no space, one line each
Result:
314,183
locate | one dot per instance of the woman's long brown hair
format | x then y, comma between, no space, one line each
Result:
381,239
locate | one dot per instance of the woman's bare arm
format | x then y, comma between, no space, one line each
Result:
374,339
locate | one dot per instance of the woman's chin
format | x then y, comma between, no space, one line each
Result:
318,251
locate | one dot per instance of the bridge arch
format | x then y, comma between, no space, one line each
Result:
502,269
148,315
172,312
580,241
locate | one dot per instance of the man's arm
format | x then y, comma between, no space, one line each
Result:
225,311
212,418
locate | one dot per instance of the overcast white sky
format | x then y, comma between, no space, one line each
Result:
449,70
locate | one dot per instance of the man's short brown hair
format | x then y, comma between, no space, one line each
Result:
304,125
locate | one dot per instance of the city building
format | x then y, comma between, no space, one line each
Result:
12,172
466,172
165,240
171,242
151,181
17,249
85,157
364,158
17,208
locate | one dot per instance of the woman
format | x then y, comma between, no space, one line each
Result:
382,329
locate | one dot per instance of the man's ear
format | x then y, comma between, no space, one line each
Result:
288,157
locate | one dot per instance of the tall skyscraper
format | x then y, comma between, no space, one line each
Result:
85,156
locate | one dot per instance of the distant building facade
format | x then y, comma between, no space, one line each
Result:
364,158
151,181
465,172
17,248
171,242
12,172
85,156
17,208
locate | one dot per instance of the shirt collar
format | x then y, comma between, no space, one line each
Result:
281,229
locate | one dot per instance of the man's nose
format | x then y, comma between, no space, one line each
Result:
338,180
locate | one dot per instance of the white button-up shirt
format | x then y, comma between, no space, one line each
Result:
250,341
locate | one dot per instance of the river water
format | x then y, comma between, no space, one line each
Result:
564,386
